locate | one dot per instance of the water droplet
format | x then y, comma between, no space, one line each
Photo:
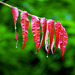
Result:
16,46
15,27
47,56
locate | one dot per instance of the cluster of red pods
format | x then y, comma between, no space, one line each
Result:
47,29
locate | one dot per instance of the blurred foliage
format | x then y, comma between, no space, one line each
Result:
13,61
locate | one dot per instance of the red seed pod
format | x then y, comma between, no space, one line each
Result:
25,26
63,39
43,25
57,29
46,39
15,16
36,30
50,24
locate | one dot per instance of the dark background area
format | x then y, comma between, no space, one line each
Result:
13,61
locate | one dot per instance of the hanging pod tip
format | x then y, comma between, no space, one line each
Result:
47,56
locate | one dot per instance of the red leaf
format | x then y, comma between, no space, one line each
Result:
15,16
57,29
52,46
63,40
36,30
25,26
46,38
43,25
50,24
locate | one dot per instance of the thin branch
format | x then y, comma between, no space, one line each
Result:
13,6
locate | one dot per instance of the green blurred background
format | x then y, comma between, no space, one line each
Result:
13,61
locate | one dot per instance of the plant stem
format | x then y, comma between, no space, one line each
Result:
6,4
18,9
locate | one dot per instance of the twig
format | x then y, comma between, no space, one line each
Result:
13,6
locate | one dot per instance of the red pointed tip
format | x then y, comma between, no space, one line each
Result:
47,54
62,56
39,48
54,51
62,53
22,48
37,51
16,36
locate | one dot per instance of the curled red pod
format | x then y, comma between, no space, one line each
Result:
63,39
43,25
50,24
25,26
57,29
15,16
36,30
